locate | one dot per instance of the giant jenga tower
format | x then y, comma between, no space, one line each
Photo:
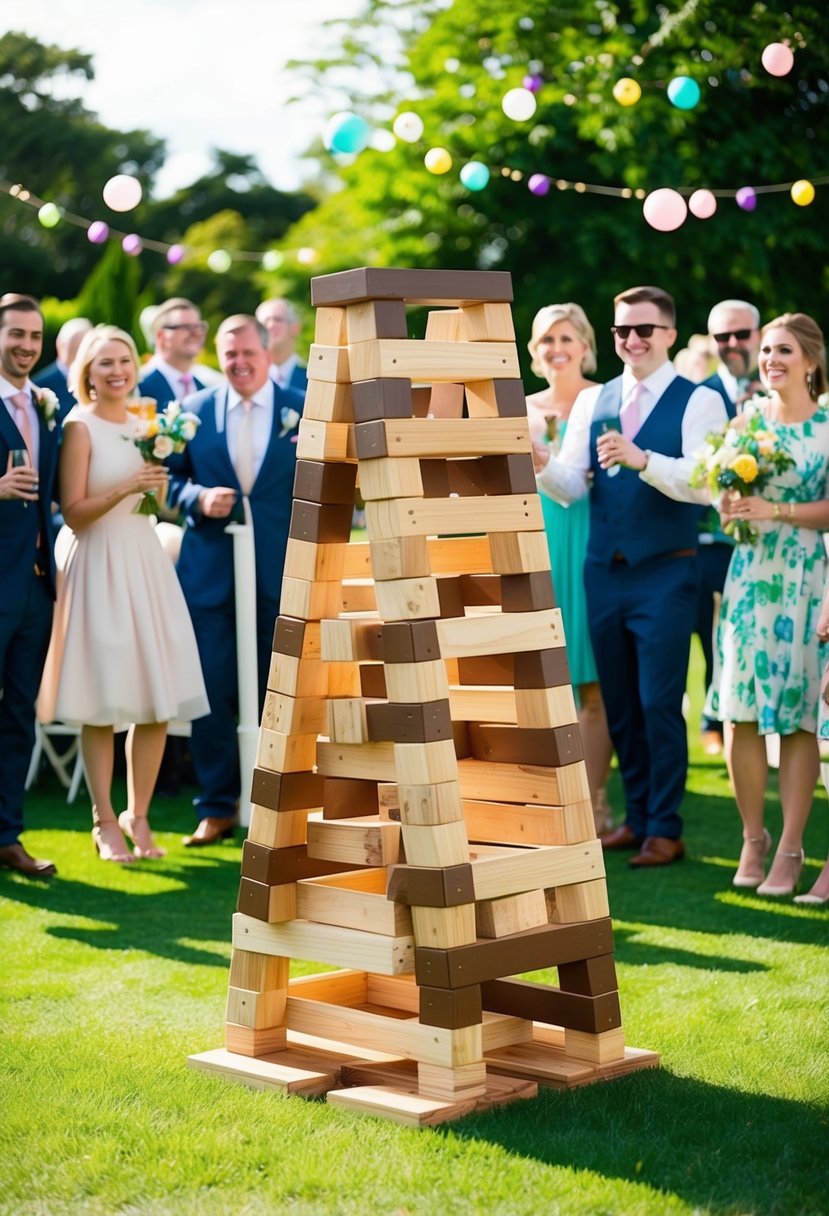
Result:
421,810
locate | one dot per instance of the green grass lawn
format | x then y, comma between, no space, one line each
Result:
111,976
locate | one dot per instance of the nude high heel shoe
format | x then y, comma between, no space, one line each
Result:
777,889
753,856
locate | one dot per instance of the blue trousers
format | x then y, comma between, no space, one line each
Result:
641,618
713,561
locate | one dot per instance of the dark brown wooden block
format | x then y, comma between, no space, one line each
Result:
288,636
510,401
426,287
478,589
590,977
452,1010
410,642
527,592
555,746
466,477
435,477
460,733
382,398
421,400
398,722
321,523
542,668
496,669
389,318
450,598
254,898
545,946
431,886
325,481
348,797
370,439
543,1003
372,680
277,866
286,791
512,474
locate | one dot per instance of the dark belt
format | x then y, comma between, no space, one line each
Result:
622,560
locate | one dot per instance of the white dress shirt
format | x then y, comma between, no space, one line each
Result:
261,416
174,378
7,391
566,477
281,373
734,387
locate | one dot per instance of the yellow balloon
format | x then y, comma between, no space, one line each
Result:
627,91
803,193
438,160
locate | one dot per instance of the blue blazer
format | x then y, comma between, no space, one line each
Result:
20,522
52,377
205,565
299,378
717,385
156,385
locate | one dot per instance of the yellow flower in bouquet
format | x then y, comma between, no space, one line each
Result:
745,466
158,436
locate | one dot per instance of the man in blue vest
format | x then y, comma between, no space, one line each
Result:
631,444
734,325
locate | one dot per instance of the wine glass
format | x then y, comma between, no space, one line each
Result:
19,459
612,424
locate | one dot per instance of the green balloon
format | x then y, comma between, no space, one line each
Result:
49,215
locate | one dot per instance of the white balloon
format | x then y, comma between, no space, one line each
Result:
408,126
519,104
122,192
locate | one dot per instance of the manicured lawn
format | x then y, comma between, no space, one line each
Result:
111,976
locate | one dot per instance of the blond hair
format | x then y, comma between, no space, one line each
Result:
549,316
91,343
809,337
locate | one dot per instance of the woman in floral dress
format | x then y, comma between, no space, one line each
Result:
769,656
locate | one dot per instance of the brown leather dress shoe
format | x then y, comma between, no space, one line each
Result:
15,857
210,830
658,851
620,838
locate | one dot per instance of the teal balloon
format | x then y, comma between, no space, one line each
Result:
347,134
683,92
475,175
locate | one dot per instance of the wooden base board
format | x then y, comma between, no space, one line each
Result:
547,1064
390,1092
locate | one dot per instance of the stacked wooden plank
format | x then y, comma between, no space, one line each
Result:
422,818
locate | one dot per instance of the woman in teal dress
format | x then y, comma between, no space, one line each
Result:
770,656
563,349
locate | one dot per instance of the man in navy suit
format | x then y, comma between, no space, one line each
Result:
245,445
54,375
179,333
734,326
631,444
280,319
27,563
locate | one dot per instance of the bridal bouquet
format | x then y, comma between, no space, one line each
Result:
742,459
159,435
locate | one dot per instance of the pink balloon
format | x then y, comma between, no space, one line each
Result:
702,204
131,244
174,254
777,59
97,232
665,210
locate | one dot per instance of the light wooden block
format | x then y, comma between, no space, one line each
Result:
408,599
373,761
524,783
455,437
502,871
326,944
459,554
480,703
390,477
328,402
286,753
357,559
444,928
480,398
451,1084
309,1074
258,972
510,914
358,595
502,823
294,715
343,987
351,640
256,1009
429,805
330,327
277,829
424,763
393,991
364,841
343,679
443,325
500,633
354,901
330,363
486,323
443,845
326,441
580,901
433,516
543,707
248,1041
456,362
309,600
309,562
522,552
388,800
347,720
412,682
400,557
600,1048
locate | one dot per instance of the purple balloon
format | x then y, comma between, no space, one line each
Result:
746,198
532,83
539,184
131,244
97,232
174,254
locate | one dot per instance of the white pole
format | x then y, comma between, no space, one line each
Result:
244,574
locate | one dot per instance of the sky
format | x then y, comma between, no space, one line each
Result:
198,73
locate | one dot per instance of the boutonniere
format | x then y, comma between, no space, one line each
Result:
289,419
47,405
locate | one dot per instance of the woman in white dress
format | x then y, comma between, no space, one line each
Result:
123,649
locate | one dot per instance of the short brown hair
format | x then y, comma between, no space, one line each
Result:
164,309
809,337
243,320
650,295
12,301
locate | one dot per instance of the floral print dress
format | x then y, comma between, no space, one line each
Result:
768,661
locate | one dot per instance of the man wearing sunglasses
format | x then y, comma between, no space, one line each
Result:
631,444
179,334
734,326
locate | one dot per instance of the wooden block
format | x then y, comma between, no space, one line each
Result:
357,595
327,944
278,866
528,784
329,363
543,1003
309,560
486,669
445,1007
328,402
257,1010
343,987
400,557
443,845
258,972
486,323
372,681
427,287
467,637
364,761
277,829
389,397
444,325
389,800
325,482
343,679
446,400
416,681
373,319
451,1084
386,477
444,927
482,704
459,555
425,763
287,791
311,600
360,841
330,327
600,1048
501,823
347,720
431,887
437,437
352,640
519,552
407,599
546,946
505,871
297,638
321,523
555,746
426,517
271,904
430,361
347,799
429,804
545,707
511,914
581,901
416,722
247,1041
507,474
410,642
356,559
354,901
495,398
325,440
294,715
286,753
542,669
527,592
590,976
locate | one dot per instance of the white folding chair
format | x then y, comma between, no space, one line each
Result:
59,761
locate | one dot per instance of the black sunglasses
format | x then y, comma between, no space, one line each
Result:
197,327
742,335
641,331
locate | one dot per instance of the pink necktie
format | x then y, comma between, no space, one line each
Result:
186,386
21,418
630,416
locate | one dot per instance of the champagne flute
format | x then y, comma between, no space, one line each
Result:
612,424
19,459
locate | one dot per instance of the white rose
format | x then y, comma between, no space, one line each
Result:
163,447
188,429
173,410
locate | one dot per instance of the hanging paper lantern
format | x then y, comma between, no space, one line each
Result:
408,126
49,215
346,133
533,83
777,59
665,210
272,259
539,185
175,254
627,91
97,232
122,192
803,193
219,261
746,198
702,204
474,175
131,244
438,160
307,255
683,92
519,104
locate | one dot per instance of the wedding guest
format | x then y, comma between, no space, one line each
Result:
281,321
563,349
769,654
696,360
179,333
27,568
122,648
641,571
244,448
53,376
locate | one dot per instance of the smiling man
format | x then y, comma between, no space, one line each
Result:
631,445
245,446
179,333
